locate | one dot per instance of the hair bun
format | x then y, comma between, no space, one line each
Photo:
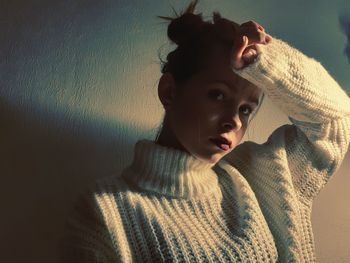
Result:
226,29
184,28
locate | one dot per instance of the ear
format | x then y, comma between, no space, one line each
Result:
166,90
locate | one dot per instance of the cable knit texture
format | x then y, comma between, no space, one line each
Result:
254,205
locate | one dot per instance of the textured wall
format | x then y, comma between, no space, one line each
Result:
78,86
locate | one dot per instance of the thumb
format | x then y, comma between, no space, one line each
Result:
239,48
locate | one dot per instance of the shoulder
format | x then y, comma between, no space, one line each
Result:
110,184
101,192
100,188
88,227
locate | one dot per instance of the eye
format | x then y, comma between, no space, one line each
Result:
248,110
216,94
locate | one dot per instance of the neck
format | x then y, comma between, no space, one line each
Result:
167,138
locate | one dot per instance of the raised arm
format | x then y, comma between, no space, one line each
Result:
313,148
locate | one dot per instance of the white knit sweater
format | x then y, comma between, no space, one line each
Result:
254,205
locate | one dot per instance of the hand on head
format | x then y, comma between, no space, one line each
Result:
245,50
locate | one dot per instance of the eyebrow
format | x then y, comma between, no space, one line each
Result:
251,98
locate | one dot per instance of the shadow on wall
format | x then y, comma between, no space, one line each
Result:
50,52
43,168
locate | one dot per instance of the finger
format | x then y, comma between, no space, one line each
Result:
250,55
238,50
261,27
254,25
257,37
242,47
250,24
268,38
249,52
255,33
254,36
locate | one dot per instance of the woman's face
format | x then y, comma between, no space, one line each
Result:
214,103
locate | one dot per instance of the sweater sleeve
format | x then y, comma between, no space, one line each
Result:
314,146
86,238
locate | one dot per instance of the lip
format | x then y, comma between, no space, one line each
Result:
222,140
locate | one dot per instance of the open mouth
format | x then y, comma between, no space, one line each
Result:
223,145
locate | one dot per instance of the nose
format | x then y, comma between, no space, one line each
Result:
233,124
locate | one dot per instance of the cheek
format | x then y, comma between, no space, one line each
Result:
207,123
213,117
184,121
193,121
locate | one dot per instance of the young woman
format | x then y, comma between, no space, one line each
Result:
195,194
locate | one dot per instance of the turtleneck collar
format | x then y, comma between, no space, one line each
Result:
170,171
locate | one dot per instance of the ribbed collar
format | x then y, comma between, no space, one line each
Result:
170,171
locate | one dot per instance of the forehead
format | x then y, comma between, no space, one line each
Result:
223,74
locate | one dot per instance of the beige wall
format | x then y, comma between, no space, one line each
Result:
78,86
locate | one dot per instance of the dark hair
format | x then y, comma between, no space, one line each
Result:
196,39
